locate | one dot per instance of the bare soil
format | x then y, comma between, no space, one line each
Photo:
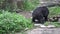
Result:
39,30
27,14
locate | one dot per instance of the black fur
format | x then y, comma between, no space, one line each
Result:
40,14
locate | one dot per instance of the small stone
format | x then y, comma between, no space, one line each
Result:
50,26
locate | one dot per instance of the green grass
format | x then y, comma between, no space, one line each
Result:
13,22
56,24
54,11
30,4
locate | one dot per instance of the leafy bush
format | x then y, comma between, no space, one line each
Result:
57,24
30,4
8,5
12,22
54,11
26,5
47,23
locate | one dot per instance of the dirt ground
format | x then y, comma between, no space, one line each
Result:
39,30
42,31
26,14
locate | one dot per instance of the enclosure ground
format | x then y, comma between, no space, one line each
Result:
39,30
42,31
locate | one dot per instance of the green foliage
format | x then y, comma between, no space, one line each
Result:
1,1
7,5
57,24
54,11
12,22
11,6
47,23
30,4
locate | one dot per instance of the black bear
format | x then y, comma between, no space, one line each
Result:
40,15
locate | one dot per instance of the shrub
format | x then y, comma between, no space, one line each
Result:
54,11
57,24
12,22
30,4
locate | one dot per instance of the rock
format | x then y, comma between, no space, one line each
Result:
18,10
44,31
41,25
